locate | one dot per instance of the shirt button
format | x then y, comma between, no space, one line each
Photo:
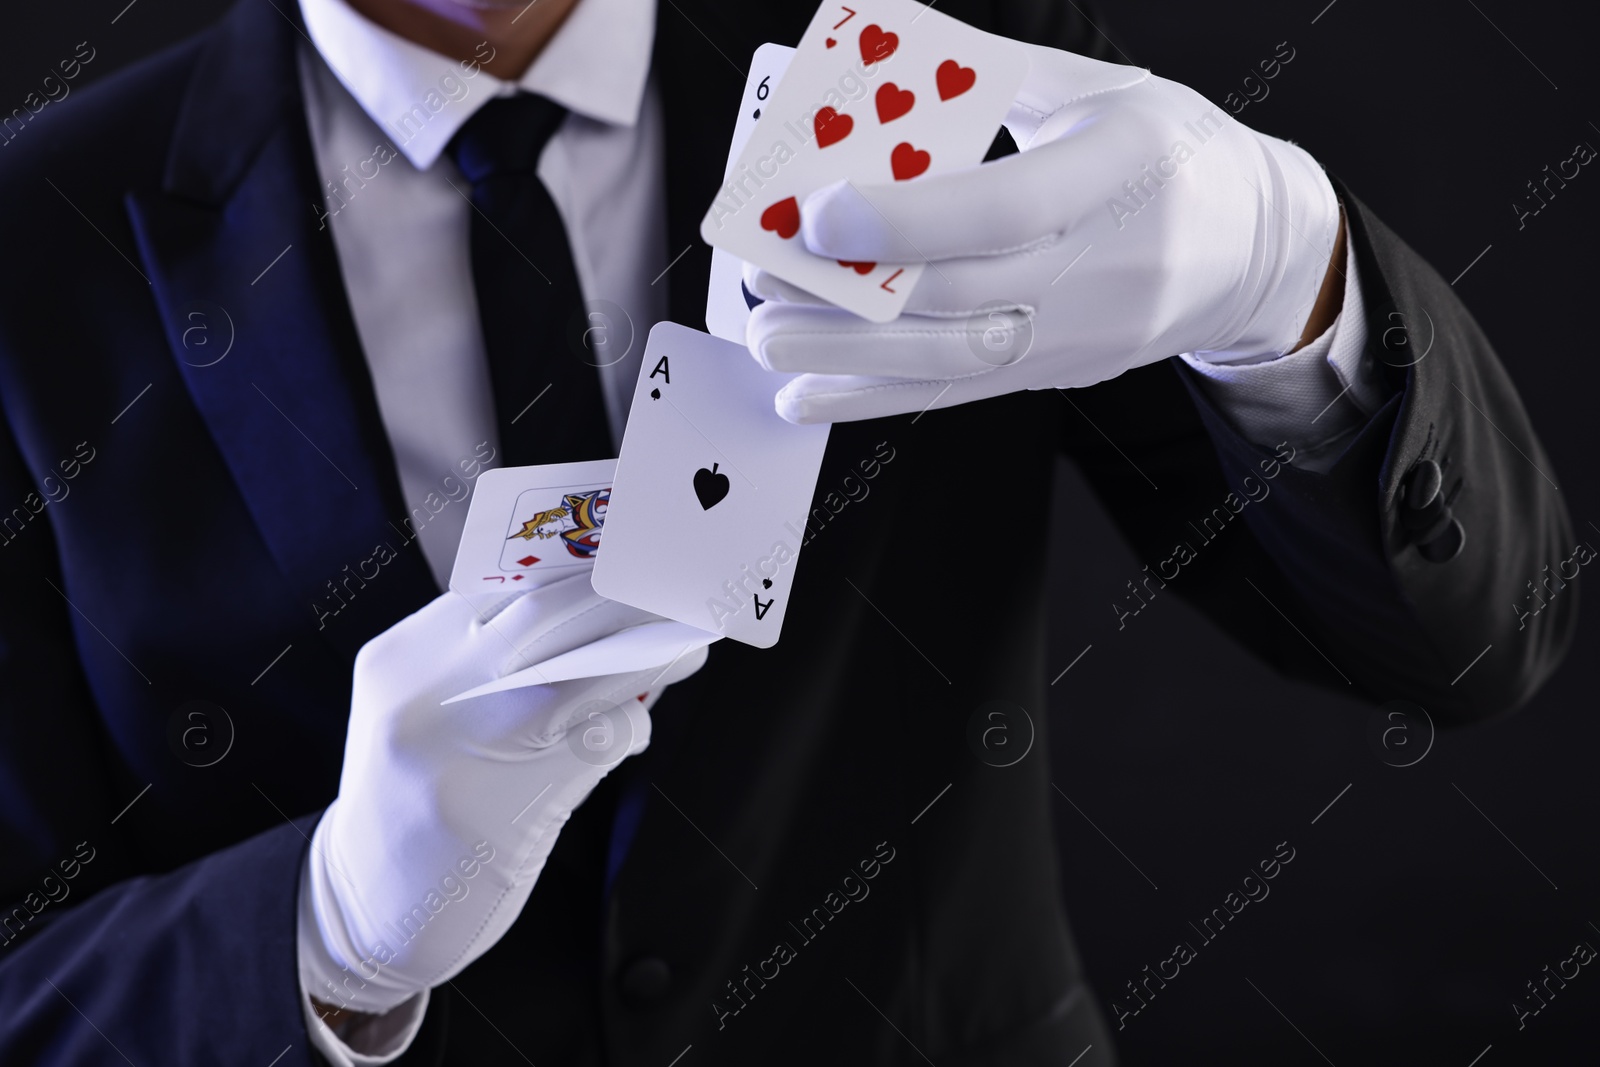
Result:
644,981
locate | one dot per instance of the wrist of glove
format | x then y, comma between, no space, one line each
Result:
1139,221
446,814
1292,261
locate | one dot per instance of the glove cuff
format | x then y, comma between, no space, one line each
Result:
1300,225
358,985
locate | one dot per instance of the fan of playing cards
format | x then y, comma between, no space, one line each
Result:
880,92
700,515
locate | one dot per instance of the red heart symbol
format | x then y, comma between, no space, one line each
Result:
907,162
893,101
831,42
783,218
954,79
877,45
831,126
859,268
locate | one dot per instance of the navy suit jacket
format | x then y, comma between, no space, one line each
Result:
173,699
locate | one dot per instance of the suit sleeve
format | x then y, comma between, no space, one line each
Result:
1411,566
1431,561
196,965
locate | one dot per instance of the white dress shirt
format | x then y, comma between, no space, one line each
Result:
1316,398
381,111
401,226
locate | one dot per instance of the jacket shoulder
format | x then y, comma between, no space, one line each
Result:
115,131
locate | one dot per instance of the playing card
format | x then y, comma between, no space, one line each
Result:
530,525
712,487
885,91
727,310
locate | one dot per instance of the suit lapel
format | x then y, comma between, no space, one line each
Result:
291,406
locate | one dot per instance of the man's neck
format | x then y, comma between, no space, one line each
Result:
516,34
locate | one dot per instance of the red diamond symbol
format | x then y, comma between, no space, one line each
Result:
516,577
528,561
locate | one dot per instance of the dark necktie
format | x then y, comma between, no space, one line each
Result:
533,322
547,398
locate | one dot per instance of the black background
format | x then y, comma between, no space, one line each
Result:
1420,903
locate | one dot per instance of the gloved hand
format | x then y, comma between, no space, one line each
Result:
445,815
1138,221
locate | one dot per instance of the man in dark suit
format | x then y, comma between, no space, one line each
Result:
213,502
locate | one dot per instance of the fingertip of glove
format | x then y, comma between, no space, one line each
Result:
838,221
793,405
763,286
755,339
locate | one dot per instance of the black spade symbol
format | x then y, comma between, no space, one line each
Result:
655,394
766,583
710,487
758,113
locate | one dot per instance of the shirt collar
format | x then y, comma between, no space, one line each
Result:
595,66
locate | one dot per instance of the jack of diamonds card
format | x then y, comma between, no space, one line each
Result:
529,525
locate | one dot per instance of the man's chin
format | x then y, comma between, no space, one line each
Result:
491,5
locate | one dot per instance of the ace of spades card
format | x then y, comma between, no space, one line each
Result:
879,92
708,505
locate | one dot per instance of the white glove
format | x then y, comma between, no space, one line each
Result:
1138,222
445,815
